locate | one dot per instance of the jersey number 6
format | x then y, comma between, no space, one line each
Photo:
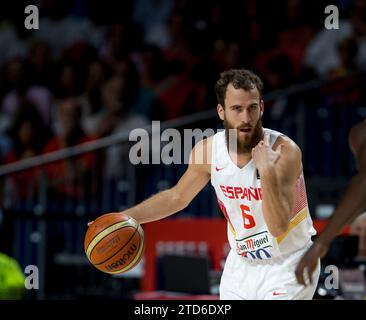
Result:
247,218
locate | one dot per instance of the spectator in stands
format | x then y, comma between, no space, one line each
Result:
13,40
227,55
21,88
118,95
180,94
41,64
61,30
68,81
295,31
5,146
103,123
69,177
279,72
347,50
150,66
28,135
91,97
280,109
153,18
323,55
118,42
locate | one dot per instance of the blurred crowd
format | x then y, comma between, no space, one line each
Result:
94,68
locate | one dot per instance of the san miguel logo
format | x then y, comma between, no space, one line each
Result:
256,246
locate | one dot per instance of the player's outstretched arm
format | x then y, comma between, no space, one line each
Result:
170,201
352,205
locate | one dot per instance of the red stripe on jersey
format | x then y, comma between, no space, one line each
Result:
300,201
224,211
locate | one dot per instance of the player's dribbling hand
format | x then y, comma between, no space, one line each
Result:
263,155
309,262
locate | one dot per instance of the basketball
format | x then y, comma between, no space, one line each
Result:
114,243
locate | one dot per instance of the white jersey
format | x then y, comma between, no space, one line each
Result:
239,194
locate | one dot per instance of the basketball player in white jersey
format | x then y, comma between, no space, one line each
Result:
352,205
260,188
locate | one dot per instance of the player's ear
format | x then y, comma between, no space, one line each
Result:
221,111
261,106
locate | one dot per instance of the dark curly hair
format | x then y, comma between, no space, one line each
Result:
27,111
240,79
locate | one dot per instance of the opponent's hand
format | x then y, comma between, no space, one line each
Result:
358,227
309,262
264,156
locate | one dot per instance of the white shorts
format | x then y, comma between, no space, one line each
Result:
274,279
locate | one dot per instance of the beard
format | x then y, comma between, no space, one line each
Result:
244,144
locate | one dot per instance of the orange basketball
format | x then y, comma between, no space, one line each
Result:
114,243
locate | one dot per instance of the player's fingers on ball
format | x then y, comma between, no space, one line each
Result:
89,223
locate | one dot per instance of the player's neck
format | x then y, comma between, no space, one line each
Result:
240,159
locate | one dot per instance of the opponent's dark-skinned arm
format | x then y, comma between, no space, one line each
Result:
352,205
